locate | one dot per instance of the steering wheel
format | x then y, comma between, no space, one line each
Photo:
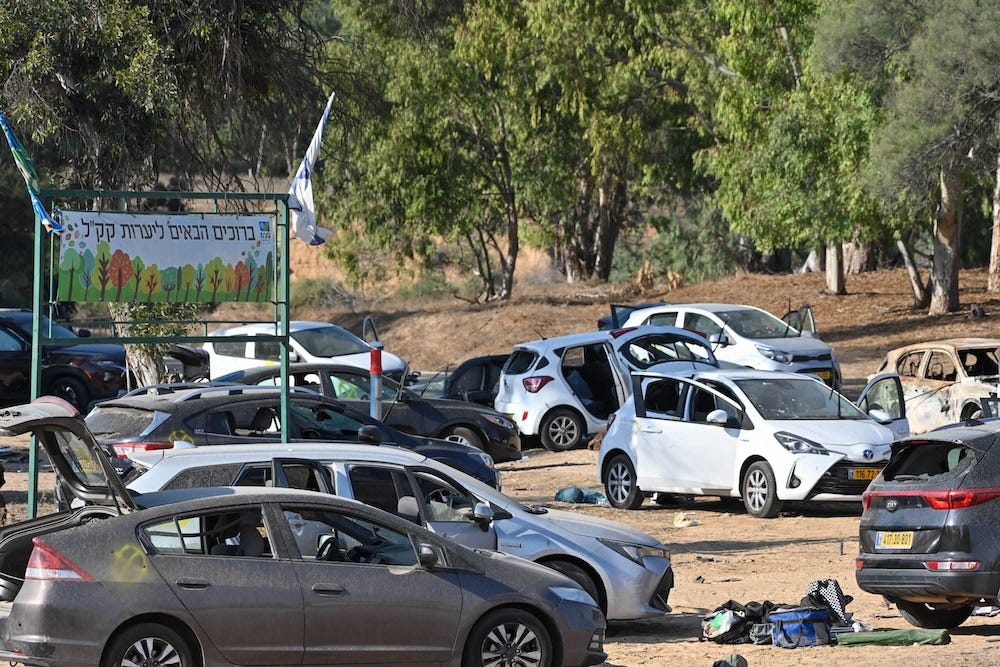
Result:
329,551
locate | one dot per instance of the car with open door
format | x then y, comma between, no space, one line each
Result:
209,577
563,389
766,437
627,571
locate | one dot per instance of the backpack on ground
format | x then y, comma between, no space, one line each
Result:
792,627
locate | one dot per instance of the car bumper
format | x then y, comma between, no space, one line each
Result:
921,585
641,591
582,627
526,418
504,447
34,633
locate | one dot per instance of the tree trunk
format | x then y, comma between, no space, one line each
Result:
921,293
993,280
835,281
858,257
947,239
813,263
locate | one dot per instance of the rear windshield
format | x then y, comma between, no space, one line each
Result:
922,461
519,362
330,342
112,423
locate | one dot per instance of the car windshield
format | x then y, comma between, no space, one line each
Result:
113,422
979,362
50,329
797,399
649,350
751,323
329,341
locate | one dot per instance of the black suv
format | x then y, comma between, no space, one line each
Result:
403,409
79,374
929,538
156,417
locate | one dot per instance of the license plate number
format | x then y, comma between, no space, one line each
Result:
866,474
894,540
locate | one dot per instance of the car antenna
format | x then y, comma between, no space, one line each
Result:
399,390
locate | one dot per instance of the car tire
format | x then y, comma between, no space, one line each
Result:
464,435
148,644
934,616
971,411
620,484
562,430
512,630
760,491
70,390
580,576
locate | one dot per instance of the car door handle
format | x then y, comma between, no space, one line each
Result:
327,589
192,584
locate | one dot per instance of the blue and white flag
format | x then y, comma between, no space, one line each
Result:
27,168
300,201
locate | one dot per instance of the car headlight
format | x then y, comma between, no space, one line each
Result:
635,552
485,458
500,421
799,445
776,355
573,595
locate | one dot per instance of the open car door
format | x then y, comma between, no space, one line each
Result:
883,395
802,319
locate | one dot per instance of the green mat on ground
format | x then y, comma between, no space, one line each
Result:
893,637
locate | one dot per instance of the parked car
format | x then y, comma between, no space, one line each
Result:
308,341
474,380
620,312
224,576
928,538
625,570
156,418
564,388
80,373
762,436
944,380
402,408
750,337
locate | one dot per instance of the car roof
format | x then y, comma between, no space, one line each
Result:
953,343
733,374
319,450
166,397
565,340
976,435
269,327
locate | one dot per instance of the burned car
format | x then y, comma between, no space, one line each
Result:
944,380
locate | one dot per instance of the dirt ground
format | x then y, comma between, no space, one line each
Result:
725,554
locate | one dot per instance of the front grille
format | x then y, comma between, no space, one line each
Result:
835,480
662,592
802,358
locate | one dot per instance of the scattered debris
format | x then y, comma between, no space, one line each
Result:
682,520
574,494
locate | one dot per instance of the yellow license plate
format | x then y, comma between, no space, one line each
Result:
894,540
823,375
866,474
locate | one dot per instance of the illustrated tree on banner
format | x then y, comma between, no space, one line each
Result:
300,201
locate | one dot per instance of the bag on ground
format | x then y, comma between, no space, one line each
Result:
792,627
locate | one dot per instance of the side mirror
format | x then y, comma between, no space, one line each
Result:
482,513
719,339
369,435
427,555
718,416
809,334
83,333
881,416
293,356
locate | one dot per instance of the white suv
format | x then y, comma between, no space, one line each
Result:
748,336
565,387
309,341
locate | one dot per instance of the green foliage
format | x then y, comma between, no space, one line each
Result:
318,293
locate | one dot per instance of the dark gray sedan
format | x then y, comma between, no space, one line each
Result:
243,576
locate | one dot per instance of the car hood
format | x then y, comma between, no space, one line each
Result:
588,526
836,433
84,468
98,351
803,345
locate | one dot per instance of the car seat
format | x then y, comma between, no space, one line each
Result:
263,420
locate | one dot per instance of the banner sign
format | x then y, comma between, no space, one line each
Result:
164,258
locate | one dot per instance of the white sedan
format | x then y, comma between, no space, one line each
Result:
765,437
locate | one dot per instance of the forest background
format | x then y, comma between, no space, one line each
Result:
678,140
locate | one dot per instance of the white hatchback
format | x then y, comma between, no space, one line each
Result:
762,436
565,387
749,336
309,341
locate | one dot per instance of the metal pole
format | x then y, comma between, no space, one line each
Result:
376,380
36,361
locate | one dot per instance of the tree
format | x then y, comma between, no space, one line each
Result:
120,273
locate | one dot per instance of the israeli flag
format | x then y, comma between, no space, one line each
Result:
300,200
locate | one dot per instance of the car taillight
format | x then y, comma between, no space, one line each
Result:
47,563
953,499
126,449
951,565
534,383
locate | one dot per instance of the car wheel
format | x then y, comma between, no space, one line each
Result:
70,390
561,430
148,644
924,615
580,576
760,492
464,435
620,484
508,637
